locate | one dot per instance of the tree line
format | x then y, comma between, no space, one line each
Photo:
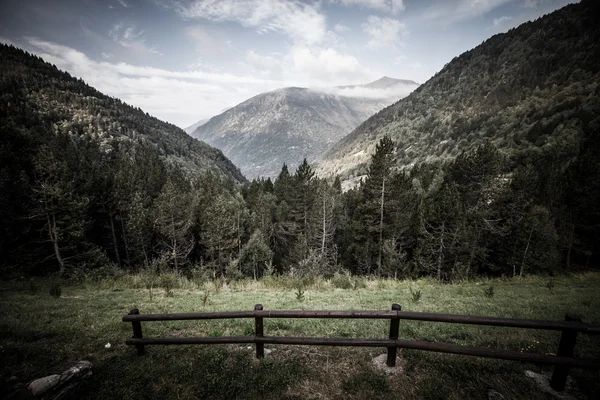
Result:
90,205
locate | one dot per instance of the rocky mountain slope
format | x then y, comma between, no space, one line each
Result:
289,124
528,90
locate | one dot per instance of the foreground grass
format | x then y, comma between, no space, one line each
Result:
40,334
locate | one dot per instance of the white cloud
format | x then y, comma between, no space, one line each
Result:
500,21
393,93
180,97
106,56
384,32
393,6
265,65
341,28
300,21
207,41
451,11
124,3
327,65
131,38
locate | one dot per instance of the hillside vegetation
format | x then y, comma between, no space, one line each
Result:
532,90
81,172
81,323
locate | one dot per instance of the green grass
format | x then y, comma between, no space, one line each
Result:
41,334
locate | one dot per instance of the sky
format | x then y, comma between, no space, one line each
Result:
186,60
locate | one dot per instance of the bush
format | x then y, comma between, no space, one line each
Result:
168,282
342,281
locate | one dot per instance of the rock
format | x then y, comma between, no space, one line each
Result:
493,395
380,363
40,386
543,382
56,387
268,351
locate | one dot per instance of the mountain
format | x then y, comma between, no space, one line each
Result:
534,88
384,82
289,124
190,129
89,181
68,106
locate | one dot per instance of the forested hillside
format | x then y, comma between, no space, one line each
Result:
82,172
533,89
81,199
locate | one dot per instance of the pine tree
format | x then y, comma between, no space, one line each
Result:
376,193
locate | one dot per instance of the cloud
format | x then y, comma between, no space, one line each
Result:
131,38
327,65
207,41
341,28
383,32
393,93
301,21
500,21
180,97
393,6
265,65
452,11
124,3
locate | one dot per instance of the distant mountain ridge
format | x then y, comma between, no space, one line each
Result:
382,83
286,125
528,90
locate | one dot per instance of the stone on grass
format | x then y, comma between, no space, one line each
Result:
543,382
380,364
42,385
56,387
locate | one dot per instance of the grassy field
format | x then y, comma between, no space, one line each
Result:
41,334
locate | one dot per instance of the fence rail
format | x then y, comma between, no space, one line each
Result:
563,361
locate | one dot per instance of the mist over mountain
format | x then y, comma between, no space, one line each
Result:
534,88
290,124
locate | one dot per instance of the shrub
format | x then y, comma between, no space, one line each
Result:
416,295
168,282
300,294
342,281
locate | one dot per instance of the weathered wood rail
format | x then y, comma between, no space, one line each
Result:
563,361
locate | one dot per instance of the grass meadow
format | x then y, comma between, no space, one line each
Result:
42,334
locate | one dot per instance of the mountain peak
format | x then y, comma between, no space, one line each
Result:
386,82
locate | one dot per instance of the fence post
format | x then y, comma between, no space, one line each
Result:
394,329
565,349
259,332
137,332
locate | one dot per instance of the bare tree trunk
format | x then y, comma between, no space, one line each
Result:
239,239
324,229
381,228
441,253
114,237
125,243
174,250
54,239
569,249
525,253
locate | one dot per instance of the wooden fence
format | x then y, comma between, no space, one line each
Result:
563,361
